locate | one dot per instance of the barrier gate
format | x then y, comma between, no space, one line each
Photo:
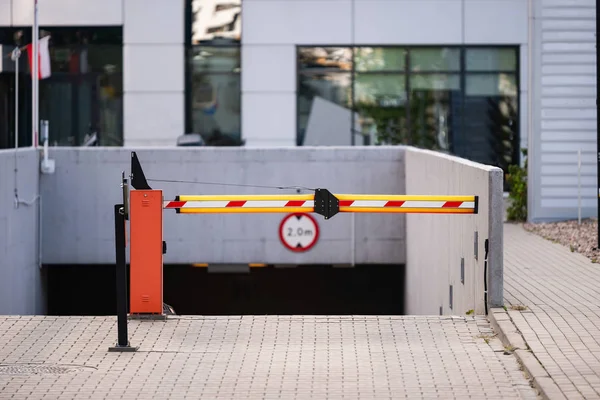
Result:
144,206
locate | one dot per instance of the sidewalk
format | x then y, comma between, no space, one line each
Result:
258,357
561,321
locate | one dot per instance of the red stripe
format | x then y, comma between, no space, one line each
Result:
346,203
295,203
452,204
394,204
175,204
239,203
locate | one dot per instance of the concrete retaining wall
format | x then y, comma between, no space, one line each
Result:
78,199
78,203
20,276
437,243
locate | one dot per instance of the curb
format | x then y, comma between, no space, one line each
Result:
510,336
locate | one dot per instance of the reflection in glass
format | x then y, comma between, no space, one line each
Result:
381,101
334,87
216,59
490,59
431,102
491,120
434,59
83,98
491,85
216,108
380,59
434,109
216,20
330,58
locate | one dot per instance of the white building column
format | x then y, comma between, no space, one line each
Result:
271,29
153,72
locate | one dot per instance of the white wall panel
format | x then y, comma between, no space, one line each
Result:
153,21
408,22
5,12
296,22
269,116
153,119
496,21
276,75
69,12
153,68
153,55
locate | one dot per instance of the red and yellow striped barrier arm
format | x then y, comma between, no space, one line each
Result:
370,203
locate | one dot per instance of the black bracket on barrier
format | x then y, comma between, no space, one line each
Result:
476,210
326,203
138,179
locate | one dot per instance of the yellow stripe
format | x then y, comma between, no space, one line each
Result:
257,265
200,265
247,197
392,197
404,210
246,210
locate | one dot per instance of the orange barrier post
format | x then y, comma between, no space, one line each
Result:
146,252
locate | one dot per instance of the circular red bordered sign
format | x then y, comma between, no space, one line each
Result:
299,232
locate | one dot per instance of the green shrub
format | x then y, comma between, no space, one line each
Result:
517,180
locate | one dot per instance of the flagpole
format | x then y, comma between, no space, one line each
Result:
15,56
35,77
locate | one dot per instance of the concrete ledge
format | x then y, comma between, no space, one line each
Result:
507,331
510,336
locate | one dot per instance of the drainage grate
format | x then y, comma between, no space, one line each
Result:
38,369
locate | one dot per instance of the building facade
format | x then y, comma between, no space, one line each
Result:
482,79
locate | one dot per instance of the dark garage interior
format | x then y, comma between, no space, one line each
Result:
303,290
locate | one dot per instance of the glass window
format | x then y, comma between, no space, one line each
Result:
490,131
435,81
333,91
491,85
489,59
213,66
381,103
461,100
434,59
216,59
325,58
380,59
83,97
216,21
216,107
434,109
380,89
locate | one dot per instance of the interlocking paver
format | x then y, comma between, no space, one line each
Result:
561,324
282,357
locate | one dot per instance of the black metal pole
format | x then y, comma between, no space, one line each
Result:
121,271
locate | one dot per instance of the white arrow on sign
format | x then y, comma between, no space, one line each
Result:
299,232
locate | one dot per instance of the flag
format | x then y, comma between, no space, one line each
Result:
43,57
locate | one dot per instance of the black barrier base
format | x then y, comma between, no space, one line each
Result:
118,348
150,317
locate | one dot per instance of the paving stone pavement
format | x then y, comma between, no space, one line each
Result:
561,324
258,357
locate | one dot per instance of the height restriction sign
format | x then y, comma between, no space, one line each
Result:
299,232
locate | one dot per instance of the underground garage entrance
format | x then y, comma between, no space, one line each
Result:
298,290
